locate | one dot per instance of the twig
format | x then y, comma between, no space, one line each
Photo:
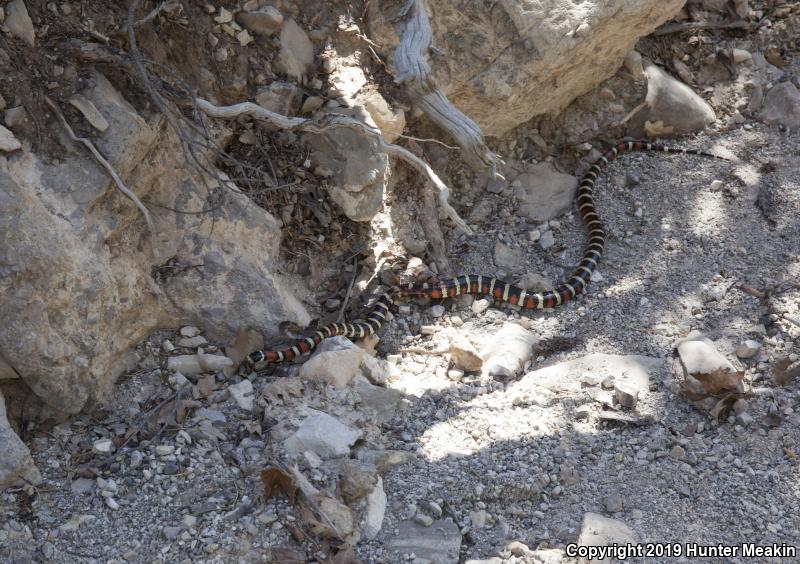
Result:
332,121
110,169
428,141
349,290
157,10
694,26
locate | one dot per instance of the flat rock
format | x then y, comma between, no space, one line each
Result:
335,362
297,51
672,102
544,192
782,105
438,543
19,23
635,370
507,257
378,403
266,20
242,394
507,350
464,354
198,363
390,121
699,355
376,370
534,282
323,435
8,142
280,97
748,349
598,530
374,512
16,464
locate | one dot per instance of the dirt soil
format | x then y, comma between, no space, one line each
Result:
683,253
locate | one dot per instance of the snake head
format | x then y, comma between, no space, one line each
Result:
252,359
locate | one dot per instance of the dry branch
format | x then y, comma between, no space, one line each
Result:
413,71
331,121
110,169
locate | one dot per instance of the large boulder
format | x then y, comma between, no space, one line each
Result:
82,282
502,63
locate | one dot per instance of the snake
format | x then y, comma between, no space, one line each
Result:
478,284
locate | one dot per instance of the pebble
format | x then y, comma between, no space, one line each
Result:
19,23
437,310
90,112
167,346
424,520
716,185
745,418
8,142
111,503
192,342
748,349
607,383
547,240
171,533
427,329
613,502
263,21
242,394
189,331
481,305
164,450
677,452
103,446
626,394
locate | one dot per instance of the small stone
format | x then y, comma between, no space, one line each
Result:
167,346
607,383
534,235
242,394
613,502
427,329
297,51
336,362
82,486
192,342
716,185
311,104
455,374
189,521
547,240
263,21
740,405
626,395
437,310
323,435
741,55
479,306
748,349
224,16
103,446
164,450
8,142
677,452
745,418
782,105
112,503
189,331
136,459
435,508
424,520
171,533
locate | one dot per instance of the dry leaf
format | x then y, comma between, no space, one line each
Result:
286,556
783,372
789,453
723,406
276,482
344,555
204,387
283,389
657,128
720,381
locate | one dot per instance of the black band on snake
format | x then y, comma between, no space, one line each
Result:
488,285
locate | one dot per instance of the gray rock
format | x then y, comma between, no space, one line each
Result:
673,103
376,370
19,23
547,240
171,533
280,97
391,122
193,342
335,362
507,350
534,282
437,310
440,542
598,530
613,502
82,486
481,305
568,376
378,403
748,349
322,434
103,446
782,105
464,354
242,394
193,364
358,170
543,192
509,258
626,394
677,452
374,512
189,331
297,51
8,142
263,21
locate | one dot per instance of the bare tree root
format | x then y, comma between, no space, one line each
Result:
413,71
110,169
331,121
